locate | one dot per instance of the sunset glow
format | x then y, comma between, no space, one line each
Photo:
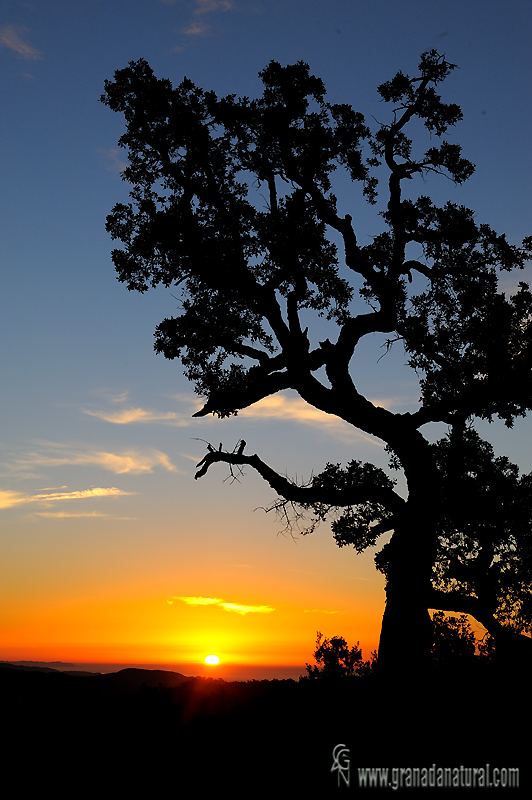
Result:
110,551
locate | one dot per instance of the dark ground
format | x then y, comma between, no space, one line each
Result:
150,732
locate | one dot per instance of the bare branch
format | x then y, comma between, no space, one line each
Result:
303,495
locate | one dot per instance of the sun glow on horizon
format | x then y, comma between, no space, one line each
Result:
212,659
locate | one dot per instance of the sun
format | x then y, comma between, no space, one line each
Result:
212,660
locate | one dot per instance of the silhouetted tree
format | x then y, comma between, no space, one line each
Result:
453,644
334,658
232,201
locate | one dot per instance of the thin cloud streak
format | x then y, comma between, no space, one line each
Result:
189,457
10,38
130,415
73,515
200,601
320,611
79,495
196,28
128,461
111,394
236,607
294,409
239,609
8,499
393,402
207,6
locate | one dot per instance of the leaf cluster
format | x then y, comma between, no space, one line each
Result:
485,542
359,525
453,639
357,522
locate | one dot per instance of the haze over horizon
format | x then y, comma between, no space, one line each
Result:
111,553
226,672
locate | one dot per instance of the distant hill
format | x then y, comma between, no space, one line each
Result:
29,666
130,680
125,681
51,664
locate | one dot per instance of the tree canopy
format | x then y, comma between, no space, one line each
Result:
232,200
334,658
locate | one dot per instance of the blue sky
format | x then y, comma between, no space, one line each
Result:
97,445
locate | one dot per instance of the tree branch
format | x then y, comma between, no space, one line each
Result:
242,397
303,495
464,604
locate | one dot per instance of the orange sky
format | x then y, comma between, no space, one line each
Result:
263,612
103,543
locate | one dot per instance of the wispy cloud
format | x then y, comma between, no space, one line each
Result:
283,407
80,515
207,6
197,26
9,499
236,607
200,601
189,457
11,37
114,158
129,415
112,395
128,461
82,494
239,609
320,611
394,402
119,397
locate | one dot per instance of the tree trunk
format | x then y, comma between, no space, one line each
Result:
406,634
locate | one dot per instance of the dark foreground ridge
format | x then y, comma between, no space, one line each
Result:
151,731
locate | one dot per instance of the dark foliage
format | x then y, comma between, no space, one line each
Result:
334,659
454,641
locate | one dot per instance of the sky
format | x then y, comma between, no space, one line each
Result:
110,551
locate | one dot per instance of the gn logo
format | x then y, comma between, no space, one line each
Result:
341,763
